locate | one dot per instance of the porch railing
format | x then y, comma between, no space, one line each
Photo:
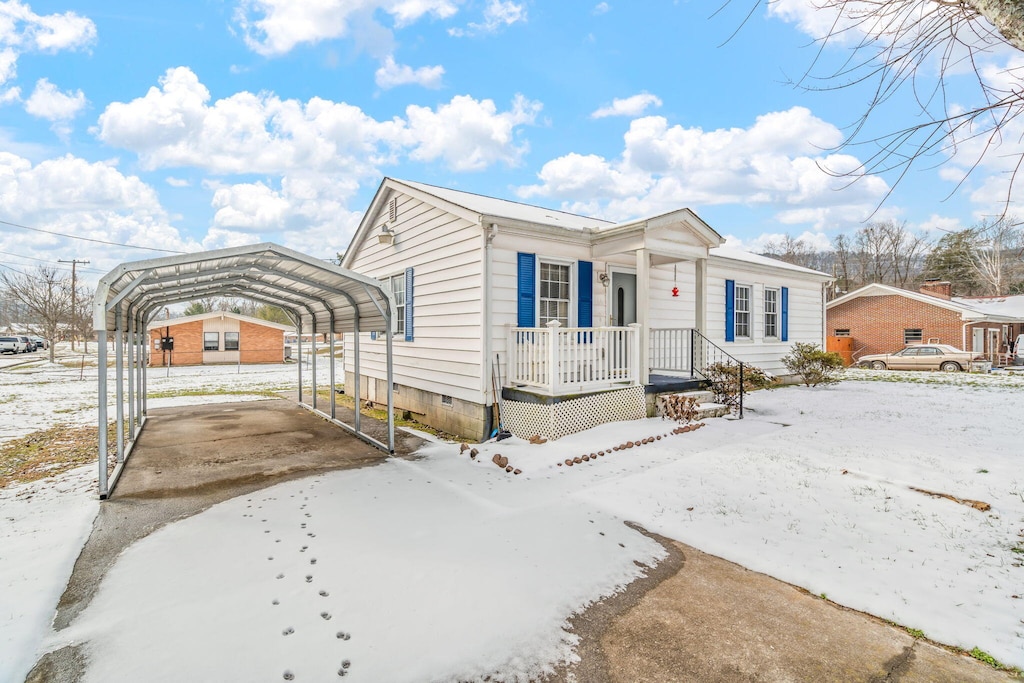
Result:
683,350
565,360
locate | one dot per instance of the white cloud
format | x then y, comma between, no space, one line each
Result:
176,125
275,27
630,106
47,102
469,134
777,162
23,29
498,14
94,200
391,74
177,182
601,8
940,224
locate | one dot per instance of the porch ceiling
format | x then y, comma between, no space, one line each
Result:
310,289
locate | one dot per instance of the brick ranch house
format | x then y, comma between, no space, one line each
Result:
218,337
884,319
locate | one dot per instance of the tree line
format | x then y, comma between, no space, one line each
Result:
986,259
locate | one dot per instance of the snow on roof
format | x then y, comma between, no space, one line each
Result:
1006,306
217,314
491,206
747,257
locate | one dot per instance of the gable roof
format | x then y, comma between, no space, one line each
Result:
969,309
757,259
503,208
1006,306
218,314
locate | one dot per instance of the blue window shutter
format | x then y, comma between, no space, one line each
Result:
785,315
730,310
373,336
408,305
527,277
585,294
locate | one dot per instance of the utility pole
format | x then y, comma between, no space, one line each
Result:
74,301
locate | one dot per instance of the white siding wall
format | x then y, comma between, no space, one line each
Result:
666,310
446,255
805,313
505,286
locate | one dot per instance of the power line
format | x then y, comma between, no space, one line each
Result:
44,260
89,239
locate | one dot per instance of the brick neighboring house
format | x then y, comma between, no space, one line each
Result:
219,337
884,319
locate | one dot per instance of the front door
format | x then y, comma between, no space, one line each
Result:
978,340
623,294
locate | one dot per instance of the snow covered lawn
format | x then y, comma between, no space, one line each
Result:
447,568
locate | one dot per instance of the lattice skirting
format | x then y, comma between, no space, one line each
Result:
576,415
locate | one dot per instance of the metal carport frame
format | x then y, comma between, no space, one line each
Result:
318,296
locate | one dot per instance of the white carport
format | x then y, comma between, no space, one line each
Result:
318,296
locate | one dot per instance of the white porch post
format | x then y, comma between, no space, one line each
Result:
643,299
554,367
700,290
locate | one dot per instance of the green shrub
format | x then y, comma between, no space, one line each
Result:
813,365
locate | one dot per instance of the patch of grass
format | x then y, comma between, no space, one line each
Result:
49,452
982,471
177,393
382,414
73,409
915,632
983,656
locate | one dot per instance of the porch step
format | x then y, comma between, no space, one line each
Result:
706,406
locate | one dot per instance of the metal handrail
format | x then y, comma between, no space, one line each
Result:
703,354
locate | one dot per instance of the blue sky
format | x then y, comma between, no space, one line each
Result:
202,124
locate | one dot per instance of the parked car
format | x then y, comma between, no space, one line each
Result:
41,343
921,357
30,346
11,345
1018,350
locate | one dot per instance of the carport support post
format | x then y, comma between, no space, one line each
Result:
131,376
355,373
334,404
144,371
313,368
119,389
101,404
140,368
298,353
391,391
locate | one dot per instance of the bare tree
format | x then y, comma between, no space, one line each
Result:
46,297
893,46
906,250
792,250
841,248
996,254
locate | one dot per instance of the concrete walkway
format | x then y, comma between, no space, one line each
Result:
699,618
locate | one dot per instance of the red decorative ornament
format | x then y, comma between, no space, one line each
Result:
675,291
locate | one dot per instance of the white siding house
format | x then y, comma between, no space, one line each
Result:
568,305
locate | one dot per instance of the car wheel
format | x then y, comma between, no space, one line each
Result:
950,366
878,365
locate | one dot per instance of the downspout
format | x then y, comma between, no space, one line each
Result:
487,327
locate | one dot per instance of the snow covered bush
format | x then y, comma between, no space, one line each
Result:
813,365
725,379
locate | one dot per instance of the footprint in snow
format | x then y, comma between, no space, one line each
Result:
326,616
280,576
311,535
342,635
324,594
289,676
288,631
312,560
309,578
275,601
303,525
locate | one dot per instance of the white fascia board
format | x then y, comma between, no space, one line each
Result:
764,269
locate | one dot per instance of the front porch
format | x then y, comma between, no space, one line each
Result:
559,362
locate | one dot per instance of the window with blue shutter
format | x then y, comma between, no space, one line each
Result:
730,310
408,305
527,290
585,294
784,336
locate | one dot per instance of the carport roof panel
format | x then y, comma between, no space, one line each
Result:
270,272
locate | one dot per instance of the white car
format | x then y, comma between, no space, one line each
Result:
12,345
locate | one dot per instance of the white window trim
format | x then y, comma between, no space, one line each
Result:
750,313
777,314
206,350
399,310
573,297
